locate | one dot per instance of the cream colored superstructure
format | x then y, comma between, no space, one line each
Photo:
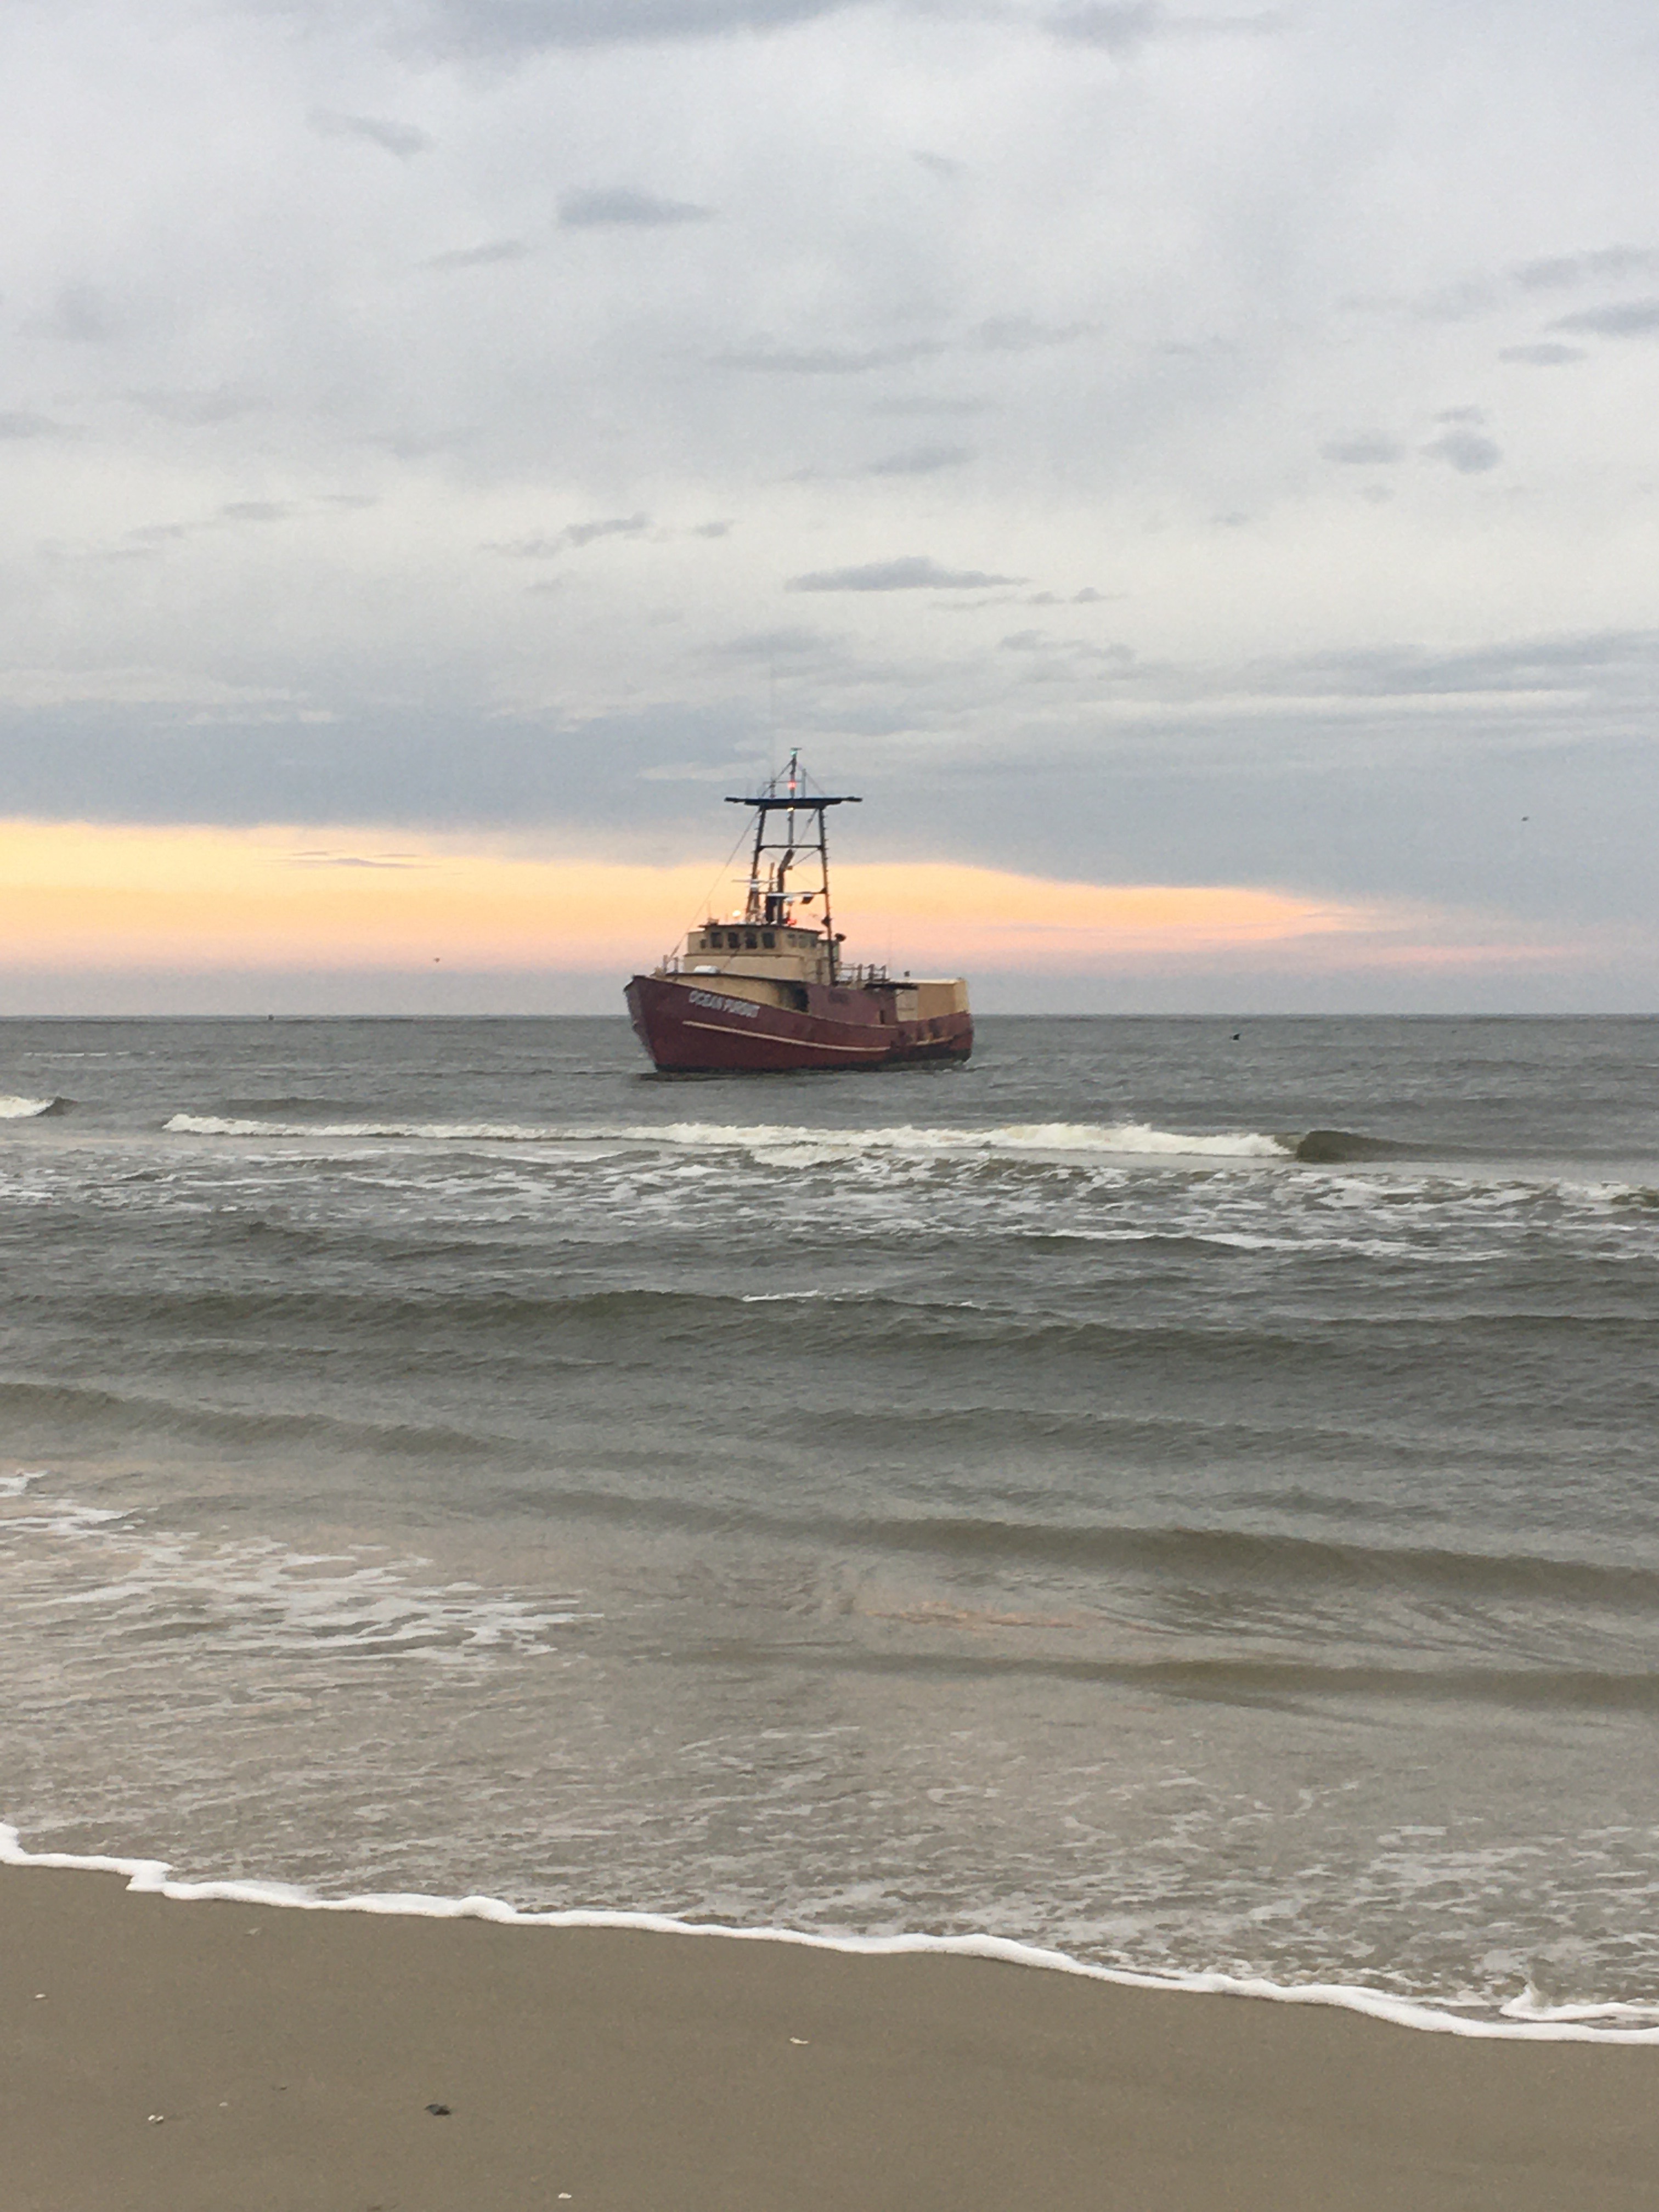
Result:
772,964
747,948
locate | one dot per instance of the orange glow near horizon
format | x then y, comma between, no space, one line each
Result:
76,894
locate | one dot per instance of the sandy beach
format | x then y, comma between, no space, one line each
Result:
161,2056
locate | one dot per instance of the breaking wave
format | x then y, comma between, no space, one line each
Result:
503,1133
1041,1138
1332,1148
30,1109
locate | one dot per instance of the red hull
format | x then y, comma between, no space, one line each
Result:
697,1029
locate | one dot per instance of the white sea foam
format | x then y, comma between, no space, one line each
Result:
222,1125
24,1110
255,1595
1041,1138
1037,1138
1562,2024
1529,2005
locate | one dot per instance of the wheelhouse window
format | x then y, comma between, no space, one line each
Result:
768,939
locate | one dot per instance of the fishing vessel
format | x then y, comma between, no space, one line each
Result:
768,988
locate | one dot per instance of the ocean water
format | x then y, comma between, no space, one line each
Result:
1186,1499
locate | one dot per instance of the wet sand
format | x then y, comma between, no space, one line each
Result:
293,2058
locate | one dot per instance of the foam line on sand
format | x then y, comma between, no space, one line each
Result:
1528,2019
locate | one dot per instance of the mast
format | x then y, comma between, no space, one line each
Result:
785,799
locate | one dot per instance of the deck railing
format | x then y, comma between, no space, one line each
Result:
866,975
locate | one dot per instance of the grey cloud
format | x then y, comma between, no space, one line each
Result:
791,642
1119,29
823,361
736,770
1545,354
1620,319
254,510
1074,649
912,573
528,26
922,404
1522,664
82,315
589,211
621,525
941,165
1000,334
1467,450
1456,303
1019,334
420,444
1368,451
711,530
479,257
223,404
921,461
22,423
408,762
1464,298
1558,272
574,534
1123,27
405,140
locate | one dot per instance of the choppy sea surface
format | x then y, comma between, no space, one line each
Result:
1183,1493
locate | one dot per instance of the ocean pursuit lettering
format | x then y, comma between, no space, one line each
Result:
724,1005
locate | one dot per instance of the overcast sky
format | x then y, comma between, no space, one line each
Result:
1133,444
